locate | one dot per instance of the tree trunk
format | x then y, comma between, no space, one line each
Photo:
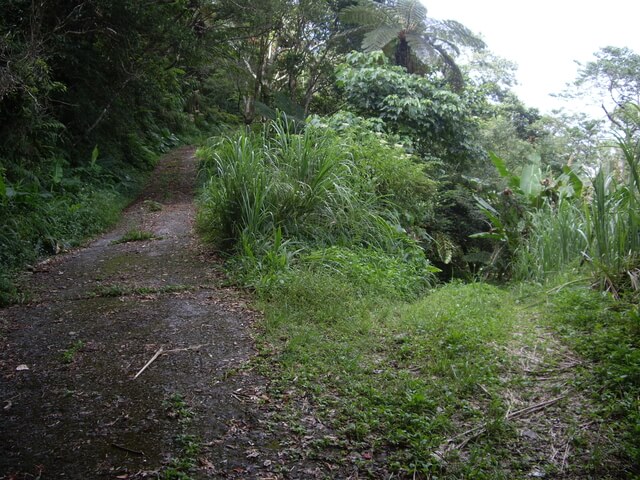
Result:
249,109
403,55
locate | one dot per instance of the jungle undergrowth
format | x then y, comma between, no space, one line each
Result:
373,366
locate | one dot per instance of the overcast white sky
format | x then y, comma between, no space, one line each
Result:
545,37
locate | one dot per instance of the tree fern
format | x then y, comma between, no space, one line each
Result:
412,13
405,26
379,38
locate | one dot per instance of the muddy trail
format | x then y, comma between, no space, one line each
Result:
72,406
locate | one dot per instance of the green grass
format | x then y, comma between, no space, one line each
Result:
70,354
135,235
607,333
8,291
152,205
399,377
126,290
184,464
178,408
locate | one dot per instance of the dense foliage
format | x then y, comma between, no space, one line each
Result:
343,200
90,92
437,120
349,154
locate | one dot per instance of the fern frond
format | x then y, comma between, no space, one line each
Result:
450,47
457,33
368,15
451,70
412,13
379,38
421,47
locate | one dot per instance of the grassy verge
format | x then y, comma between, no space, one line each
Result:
39,222
607,334
466,382
135,235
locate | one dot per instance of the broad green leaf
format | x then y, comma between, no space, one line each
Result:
485,205
530,180
576,183
94,155
494,219
500,165
58,173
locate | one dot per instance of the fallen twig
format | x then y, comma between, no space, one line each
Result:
484,390
126,449
156,355
534,408
237,397
161,351
480,429
193,347
565,456
551,370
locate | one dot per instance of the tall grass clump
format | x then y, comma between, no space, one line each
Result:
598,229
613,220
281,197
557,241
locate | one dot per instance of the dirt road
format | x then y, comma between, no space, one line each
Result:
71,407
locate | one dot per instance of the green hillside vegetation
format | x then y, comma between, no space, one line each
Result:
414,234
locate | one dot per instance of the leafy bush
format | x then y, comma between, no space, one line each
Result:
422,107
